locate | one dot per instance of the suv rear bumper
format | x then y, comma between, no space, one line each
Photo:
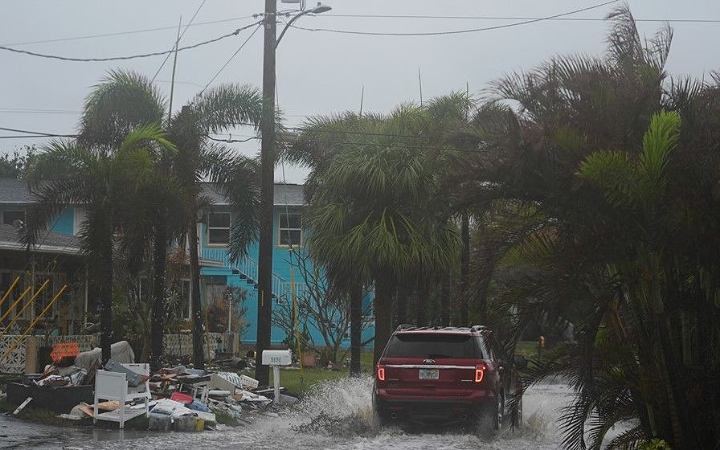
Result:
391,405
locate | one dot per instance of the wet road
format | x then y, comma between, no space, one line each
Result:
337,416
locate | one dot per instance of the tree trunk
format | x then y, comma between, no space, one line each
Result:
157,328
465,270
197,321
402,298
422,293
383,314
356,298
445,301
104,279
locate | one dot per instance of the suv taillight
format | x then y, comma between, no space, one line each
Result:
479,373
380,372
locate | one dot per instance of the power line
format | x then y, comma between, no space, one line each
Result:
177,42
122,58
464,31
41,133
230,59
232,141
125,33
567,19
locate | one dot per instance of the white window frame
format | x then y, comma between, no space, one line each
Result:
288,228
208,228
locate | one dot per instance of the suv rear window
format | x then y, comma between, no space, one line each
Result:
432,345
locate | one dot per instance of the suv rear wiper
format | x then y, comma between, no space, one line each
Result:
437,355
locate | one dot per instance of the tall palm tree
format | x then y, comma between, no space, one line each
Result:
373,208
103,182
216,110
126,101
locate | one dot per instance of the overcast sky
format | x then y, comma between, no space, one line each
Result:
318,72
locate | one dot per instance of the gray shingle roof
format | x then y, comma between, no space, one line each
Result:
49,241
285,195
13,191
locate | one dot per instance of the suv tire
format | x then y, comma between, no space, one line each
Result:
492,417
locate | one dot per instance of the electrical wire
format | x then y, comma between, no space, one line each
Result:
128,32
451,32
37,133
564,19
230,59
232,141
177,42
123,58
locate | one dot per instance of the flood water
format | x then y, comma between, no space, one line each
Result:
337,416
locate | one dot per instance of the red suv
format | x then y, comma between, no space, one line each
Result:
447,374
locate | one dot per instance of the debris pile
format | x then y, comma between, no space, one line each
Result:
180,398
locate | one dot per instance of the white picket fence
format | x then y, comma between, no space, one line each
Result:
175,345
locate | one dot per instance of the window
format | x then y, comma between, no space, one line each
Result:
9,217
432,345
290,229
219,228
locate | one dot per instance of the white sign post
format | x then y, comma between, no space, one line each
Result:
275,359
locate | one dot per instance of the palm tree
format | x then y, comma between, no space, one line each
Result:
619,244
103,182
126,101
215,111
374,208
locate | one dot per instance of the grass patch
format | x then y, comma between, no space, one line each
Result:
528,349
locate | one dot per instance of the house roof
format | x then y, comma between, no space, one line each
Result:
14,191
285,195
50,242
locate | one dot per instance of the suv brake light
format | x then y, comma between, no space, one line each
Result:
380,372
479,373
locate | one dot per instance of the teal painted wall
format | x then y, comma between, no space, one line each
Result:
62,224
283,265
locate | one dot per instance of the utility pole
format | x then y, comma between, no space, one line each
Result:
267,174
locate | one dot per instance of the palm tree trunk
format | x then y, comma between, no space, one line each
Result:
104,278
422,293
445,300
465,269
402,298
197,322
383,314
157,329
355,328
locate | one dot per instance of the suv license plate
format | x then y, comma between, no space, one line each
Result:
429,374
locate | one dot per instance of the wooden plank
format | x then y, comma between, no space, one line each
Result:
22,405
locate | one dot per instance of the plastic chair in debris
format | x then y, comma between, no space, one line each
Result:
123,383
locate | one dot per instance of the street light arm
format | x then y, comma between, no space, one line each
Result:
319,9
289,24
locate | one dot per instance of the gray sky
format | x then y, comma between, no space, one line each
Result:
318,73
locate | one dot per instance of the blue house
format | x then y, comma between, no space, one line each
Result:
219,275
288,270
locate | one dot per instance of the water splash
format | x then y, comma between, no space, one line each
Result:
338,415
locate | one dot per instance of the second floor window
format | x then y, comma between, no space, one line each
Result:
219,228
290,229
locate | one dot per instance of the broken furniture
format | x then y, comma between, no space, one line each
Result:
115,386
